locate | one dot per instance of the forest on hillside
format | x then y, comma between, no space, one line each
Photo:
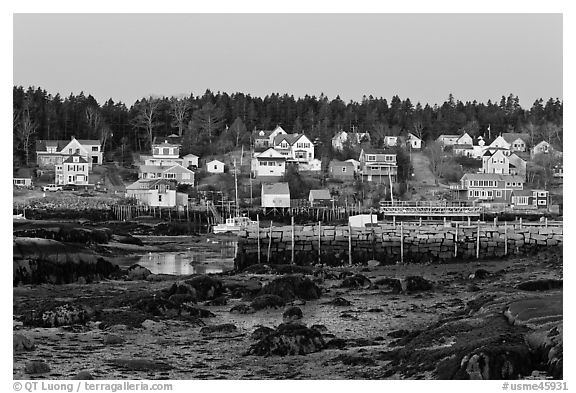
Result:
218,122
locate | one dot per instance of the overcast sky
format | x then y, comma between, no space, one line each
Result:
420,56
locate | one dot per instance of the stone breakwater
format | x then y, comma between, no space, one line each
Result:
390,244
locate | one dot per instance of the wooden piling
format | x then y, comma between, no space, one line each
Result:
269,243
319,242
478,241
258,235
505,238
520,222
456,242
349,244
292,222
401,242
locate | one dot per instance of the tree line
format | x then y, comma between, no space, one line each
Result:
214,123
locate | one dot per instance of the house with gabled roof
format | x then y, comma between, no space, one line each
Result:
215,166
378,165
295,147
263,139
517,141
54,152
342,137
269,163
545,147
176,172
447,139
156,192
413,141
530,199
490,187
341,170
275,195
320,198
73,170
495,162
465,139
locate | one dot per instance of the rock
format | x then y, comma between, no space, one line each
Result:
392,283
257,269
181,298
242,308
137,272
345,274
152,325
480,274
207,288
375,310
355,360
64,315
239,288
339,302
127,239
83,376
198,312
112,339
540,285
36,367
292,314
267,301
291,269
356,281
180,288
373,263
320,328
291,287
224,328
219,301
261,332
336,343
22,343
346,315
398,333
289,339
157,306
416,283
140,364
298,302
473,288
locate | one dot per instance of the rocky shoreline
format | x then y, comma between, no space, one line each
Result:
489,319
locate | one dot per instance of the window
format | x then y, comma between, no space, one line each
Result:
69,151
215,167
263,163
542,194
370,158
170,176
498,193
156,151
343,169
166,151
507,184
159,198
541,202
94,148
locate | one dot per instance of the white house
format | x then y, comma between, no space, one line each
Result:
269,163
544,148
464,139
390,140
265,139
215,166
158,192
295,147
170,172
54,152
413,141
275,195
496,162
500,142
190,160
342,137
74,170
447,140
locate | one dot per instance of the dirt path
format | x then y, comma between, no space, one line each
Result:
422,173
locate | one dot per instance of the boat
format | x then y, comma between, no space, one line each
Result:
233,225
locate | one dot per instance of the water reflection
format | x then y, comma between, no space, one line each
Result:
194,260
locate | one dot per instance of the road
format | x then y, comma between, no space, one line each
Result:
422,173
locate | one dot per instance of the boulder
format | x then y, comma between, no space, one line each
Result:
83,376
257,269
127,239
180,288
261,332
267,301
223,328
36,367
22,343
540,285
416,283
339,302
289,339
157,306
373,263
206,287
292,287
242,308
137,272
140,364
219,301
112,339
356,281
292,314
197,312
63,315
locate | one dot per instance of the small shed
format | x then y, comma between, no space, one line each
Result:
361,220
190,160
320,198
22,177
342,170
215,166
275,195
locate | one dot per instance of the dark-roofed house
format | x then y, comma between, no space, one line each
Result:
530,199
447,140
295,147
22,177
73,170
269,164
320,198
54,152
341,170
517,141
378,165
264,139
275,195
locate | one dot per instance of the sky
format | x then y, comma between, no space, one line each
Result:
424,57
